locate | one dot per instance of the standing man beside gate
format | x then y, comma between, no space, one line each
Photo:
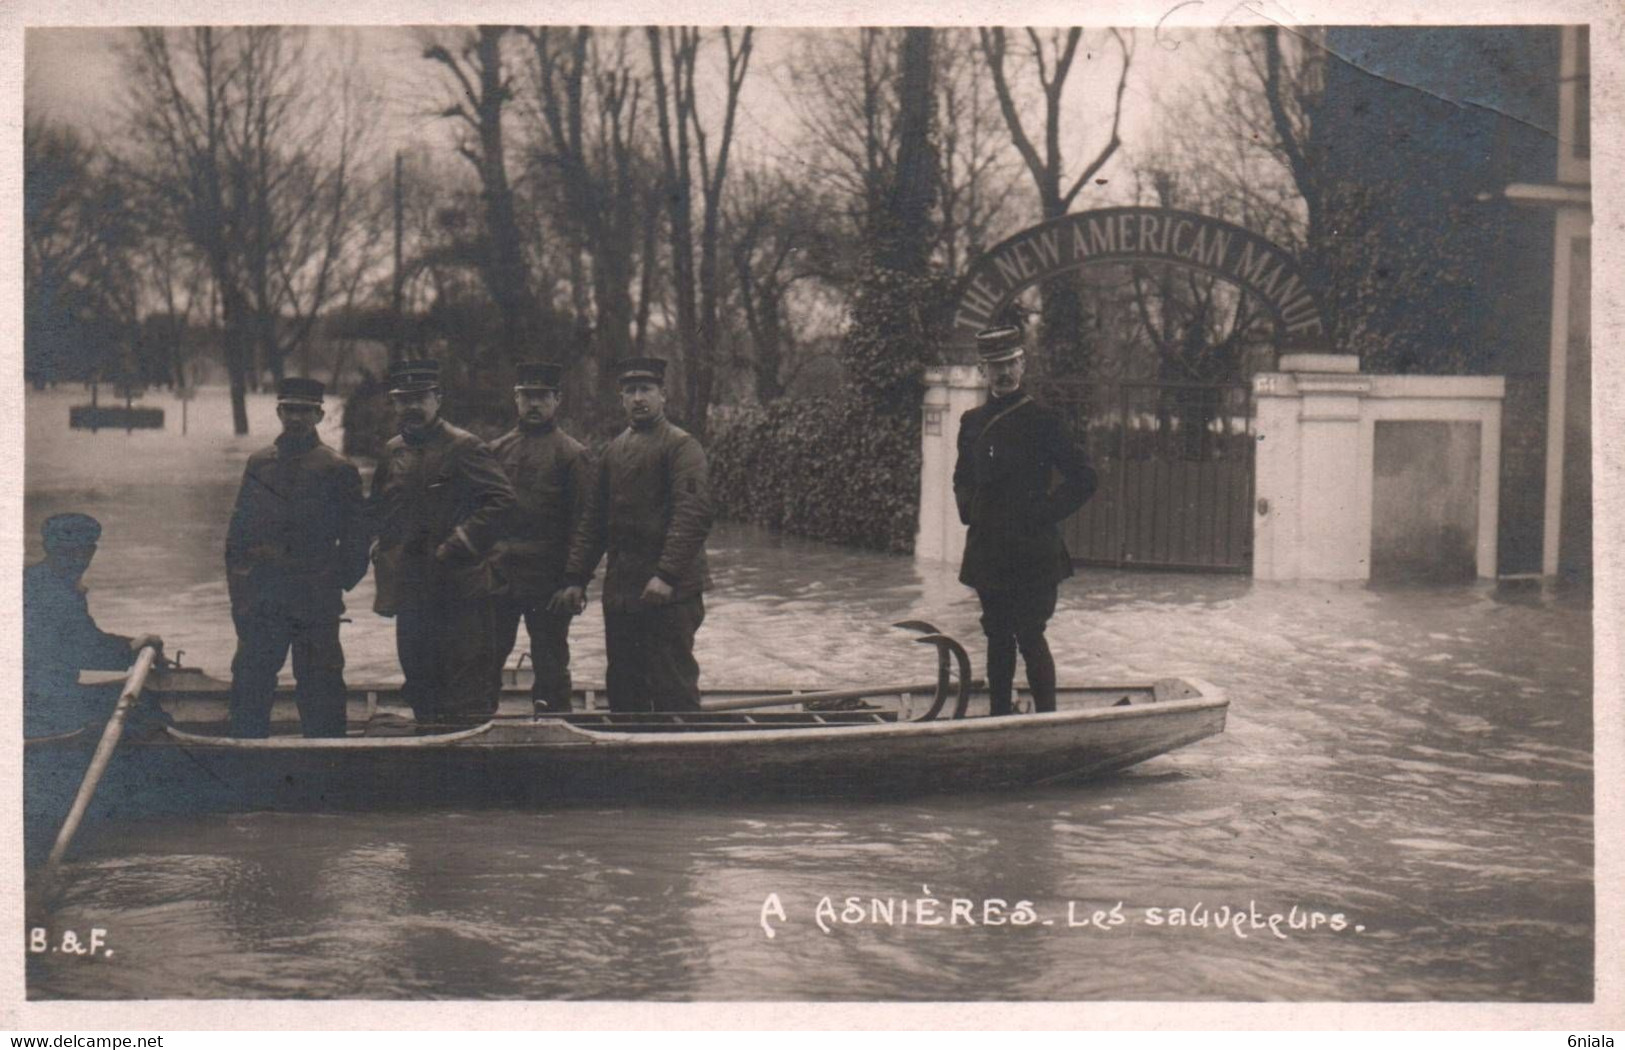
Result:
297,541
439,501
649,507
548,470
1010,450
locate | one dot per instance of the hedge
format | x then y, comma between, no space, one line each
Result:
830,468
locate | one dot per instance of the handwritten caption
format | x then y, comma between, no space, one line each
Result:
834,913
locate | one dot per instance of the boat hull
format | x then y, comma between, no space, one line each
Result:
531,760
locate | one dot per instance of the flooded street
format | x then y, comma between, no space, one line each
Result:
1414,761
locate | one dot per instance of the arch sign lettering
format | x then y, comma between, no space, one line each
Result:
1111,235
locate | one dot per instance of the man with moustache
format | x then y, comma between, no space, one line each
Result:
1010,450
439,502
649,507
548,470
297,540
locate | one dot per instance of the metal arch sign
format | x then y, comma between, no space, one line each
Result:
1139,234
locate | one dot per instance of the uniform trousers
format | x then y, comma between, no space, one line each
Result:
651,657
549,648
446,653
1014,618
265,633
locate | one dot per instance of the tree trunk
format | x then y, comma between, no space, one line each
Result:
239,352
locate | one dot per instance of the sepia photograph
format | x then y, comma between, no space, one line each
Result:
972,512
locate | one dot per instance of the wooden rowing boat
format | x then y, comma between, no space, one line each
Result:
889,740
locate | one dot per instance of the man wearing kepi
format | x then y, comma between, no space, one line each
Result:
297,540
439,502
548,470
649,507
1009,450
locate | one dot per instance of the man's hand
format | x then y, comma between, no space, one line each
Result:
569,600
657,591
453,553
141,641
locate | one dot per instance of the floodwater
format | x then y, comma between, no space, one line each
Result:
1415,762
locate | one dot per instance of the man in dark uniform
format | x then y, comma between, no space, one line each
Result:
548,470
439,501
1009,450
649,507
298,540
60,638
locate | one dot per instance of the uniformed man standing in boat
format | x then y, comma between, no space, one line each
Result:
549,472
1011,450
297,541
439,502
59,637
649,507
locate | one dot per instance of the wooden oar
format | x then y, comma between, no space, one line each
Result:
133,684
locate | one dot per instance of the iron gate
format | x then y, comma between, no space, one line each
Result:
1176,476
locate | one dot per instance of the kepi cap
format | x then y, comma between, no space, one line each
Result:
414,377
70,530
1003,343
538,375
297,390
635,368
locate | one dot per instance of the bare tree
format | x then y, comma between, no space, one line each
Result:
686,157
224,142
779,238
845,86
81,293
311,238
589,100
185,93
978,179
1051,59
482,87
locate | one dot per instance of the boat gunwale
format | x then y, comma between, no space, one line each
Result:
1210,697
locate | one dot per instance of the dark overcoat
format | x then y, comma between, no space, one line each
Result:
1019,474
298,535
440,487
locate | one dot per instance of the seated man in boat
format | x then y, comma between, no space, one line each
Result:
548,469
439,502
60,638
297,540
649,507
1009,450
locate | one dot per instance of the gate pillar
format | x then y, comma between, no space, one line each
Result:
1355,470
950,392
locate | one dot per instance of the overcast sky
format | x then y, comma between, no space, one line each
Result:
72,75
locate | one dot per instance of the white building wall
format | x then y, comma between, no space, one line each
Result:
1315,423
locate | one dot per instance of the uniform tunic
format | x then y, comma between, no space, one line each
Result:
439,501
649,508
297,540
549,471
1010,450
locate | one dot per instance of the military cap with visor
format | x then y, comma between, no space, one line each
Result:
414,377
538,375
641,369
1004,343
297,390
